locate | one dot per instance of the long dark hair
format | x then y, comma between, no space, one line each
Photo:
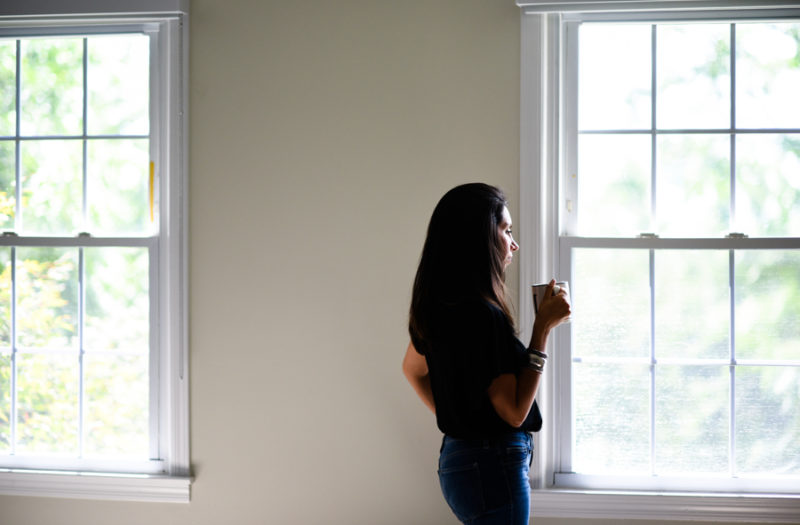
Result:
461,259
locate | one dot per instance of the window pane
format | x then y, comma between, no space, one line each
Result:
51,85
611,303
692,304
615,76
8,186
117,300
768,185
5,349
5,403
611,414
52,186
693,71
117,406
614,185
8,87
47,403
118,191
693,185
692,419
767,420
768,304
47,297
118,85
5,299
767,75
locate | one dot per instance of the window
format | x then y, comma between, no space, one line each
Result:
92,255
670,147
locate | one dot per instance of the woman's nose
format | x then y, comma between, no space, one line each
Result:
514,246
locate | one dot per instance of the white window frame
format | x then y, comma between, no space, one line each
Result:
547,193
166,477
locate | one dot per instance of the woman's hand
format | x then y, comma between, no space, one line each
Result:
553,310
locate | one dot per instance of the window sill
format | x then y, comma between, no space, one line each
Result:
764,508
91,485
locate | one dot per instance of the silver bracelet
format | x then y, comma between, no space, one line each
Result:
537,352
535,363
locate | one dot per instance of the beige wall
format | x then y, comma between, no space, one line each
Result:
322,134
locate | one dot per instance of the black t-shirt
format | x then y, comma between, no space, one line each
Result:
472,343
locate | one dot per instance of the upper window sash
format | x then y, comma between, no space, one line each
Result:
27,29
569,206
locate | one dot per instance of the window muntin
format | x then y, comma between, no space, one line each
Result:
664,380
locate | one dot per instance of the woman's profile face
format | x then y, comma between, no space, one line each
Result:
507,243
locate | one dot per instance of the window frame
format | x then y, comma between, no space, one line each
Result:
167,477
548,109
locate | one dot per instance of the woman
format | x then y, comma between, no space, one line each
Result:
466,363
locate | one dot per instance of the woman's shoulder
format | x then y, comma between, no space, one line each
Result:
476,306
470,318
492,309
483,312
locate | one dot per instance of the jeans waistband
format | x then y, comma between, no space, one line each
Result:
520,438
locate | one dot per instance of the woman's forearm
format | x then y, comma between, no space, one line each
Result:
527,387
512,395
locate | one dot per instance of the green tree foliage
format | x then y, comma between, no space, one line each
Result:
51,86
44,319
7,127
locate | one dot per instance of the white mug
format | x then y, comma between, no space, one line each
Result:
538,291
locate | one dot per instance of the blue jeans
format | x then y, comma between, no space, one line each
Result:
485,481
